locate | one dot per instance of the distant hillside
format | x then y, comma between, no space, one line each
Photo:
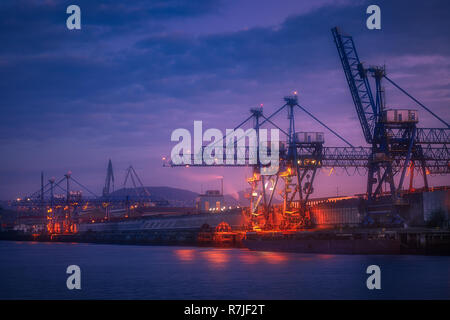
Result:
176,197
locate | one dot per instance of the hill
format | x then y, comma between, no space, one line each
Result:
174,196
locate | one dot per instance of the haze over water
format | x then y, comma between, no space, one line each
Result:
32,270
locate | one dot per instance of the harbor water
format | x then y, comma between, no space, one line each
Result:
37,270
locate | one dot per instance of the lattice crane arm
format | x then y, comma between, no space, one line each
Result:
358,83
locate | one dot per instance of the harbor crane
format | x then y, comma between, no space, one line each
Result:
301,156
62,210
397,144
109,181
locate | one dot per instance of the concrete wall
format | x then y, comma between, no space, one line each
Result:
416,213
413,213
434,201
335,214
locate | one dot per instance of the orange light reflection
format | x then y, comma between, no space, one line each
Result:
248,258
274,257
185,254
217,258
325,256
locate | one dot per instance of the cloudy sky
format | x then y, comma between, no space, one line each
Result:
137,70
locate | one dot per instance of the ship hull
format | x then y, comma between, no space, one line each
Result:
188,222
324,246
158,229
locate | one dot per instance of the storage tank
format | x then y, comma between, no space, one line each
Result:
401,116
309,137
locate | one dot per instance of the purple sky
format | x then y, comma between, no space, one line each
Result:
70,100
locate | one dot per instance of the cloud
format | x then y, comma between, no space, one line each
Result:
133,74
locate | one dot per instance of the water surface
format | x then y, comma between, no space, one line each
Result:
35,270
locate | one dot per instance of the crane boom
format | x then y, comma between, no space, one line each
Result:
358,82
109,179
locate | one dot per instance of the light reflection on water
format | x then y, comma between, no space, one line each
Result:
216,258
274,257
219,257
326,256
248,258
36,270
185,254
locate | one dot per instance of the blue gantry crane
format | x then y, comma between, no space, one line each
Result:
396,142
301,156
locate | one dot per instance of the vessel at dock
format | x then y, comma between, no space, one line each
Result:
167,222
195,228
356,241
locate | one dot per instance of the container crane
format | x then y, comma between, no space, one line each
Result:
109,181
396,142
301,157
396,145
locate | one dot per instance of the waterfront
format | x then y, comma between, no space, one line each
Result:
37,270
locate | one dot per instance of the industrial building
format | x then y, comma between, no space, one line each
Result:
211,200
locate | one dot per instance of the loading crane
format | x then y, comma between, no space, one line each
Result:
396,142
63,210
301,156
109,181
396,145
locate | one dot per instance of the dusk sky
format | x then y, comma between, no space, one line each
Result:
137,70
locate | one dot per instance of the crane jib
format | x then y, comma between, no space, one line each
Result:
358,83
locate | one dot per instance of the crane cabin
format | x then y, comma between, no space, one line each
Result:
400,116
309,137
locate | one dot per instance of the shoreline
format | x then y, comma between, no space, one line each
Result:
347,242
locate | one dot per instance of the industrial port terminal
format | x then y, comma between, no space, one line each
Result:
282,214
